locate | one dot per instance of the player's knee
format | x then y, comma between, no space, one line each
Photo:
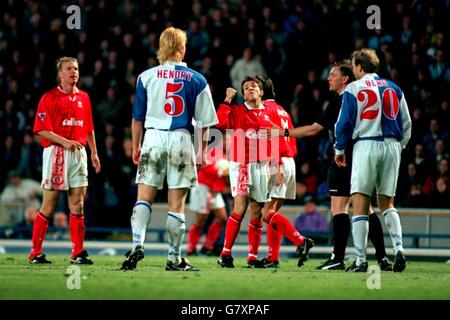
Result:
201,220
48,209
176,208
222,218
76,207
239,209
255,215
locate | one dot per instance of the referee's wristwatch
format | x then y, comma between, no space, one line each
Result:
286,132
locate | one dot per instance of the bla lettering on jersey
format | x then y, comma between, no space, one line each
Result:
174,74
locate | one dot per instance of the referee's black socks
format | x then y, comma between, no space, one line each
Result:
341,232
376,236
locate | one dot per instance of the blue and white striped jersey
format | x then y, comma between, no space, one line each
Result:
372,109
171,95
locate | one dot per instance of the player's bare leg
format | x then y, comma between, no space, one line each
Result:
240,205
220,214
49,202
392,220
40,226
76,198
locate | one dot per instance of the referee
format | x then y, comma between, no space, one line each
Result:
339,177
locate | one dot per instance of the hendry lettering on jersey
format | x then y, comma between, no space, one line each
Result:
174,74
72,122
376,83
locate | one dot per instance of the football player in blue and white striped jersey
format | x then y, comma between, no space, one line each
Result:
169,99
375,116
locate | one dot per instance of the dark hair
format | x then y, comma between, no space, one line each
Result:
367,59
253,79
345,68
269,90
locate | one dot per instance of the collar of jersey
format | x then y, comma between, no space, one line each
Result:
175,63
61,90
261,106
370,75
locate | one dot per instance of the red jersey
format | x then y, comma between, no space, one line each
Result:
248,143
66,114
279,116
209,175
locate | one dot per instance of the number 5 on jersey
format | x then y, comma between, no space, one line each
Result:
175,103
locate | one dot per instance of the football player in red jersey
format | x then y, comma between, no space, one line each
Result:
284,189
250,154
64,121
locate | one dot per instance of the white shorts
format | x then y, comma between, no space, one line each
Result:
250,180
287,189
167,153
202,200
375,164
63,169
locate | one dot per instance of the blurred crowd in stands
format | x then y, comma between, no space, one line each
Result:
293,42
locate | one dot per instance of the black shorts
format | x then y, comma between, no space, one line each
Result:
339,178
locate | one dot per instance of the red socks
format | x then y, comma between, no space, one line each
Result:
76,227
273,242
231,232
283,225
213,234
40,226
195,234
254,238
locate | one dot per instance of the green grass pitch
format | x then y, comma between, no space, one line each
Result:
104,280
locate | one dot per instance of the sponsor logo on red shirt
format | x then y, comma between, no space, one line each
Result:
72,122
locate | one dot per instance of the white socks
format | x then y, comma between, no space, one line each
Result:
392,220
175,230
139,221
360,232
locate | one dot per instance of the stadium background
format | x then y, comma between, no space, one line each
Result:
295,42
